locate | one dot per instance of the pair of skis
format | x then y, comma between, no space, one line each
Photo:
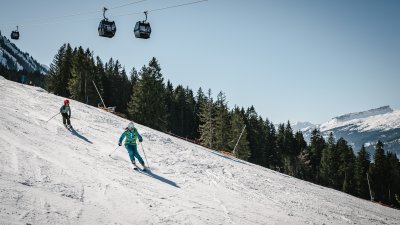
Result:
135,167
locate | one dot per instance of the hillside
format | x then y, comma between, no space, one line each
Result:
13,58
49,175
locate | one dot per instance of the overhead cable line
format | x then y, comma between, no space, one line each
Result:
176,6
51,21
159,9
75,14
116,7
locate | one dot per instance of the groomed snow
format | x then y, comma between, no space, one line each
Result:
49,175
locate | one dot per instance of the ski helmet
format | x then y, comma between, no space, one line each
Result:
131,125
66,101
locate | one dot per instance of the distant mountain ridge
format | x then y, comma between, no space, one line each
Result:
302,126
13,58
364,128
341,120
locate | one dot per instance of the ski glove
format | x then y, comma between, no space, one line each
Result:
119,144
140,139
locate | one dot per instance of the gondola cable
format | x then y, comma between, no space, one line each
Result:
35,21
112,8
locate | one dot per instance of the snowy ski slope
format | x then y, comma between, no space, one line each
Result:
49,175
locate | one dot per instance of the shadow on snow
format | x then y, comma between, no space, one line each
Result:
149,173
74,132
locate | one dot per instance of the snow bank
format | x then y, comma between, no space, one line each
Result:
49,175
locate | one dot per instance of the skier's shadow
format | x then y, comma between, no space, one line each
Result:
162,179
74,132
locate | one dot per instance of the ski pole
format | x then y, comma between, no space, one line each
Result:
52,117
145,155
114,150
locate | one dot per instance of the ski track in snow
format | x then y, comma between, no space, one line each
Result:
50,175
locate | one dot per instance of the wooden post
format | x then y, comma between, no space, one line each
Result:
99,95
234,149
369,186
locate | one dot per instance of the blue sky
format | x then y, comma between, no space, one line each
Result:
297,60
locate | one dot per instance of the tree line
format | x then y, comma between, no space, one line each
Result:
146,98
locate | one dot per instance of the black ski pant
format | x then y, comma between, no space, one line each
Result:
66,119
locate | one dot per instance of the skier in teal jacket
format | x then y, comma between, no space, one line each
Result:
131,135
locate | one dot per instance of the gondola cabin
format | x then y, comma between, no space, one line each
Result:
15,34
107,28
142,30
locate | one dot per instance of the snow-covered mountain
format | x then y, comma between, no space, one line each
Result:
50,175
13,58
302,126
366,128
352,118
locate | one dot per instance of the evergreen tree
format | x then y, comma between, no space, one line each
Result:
317,144
378,172
200,100
262,135
190,114
183,117
360,174
286,148
256,137
60,71
93,75
346,166
170,107
270,151
125,87
207,122
290,151
300,145
180,111
221,123
280,144
107,83
99,81
237,128
53,77
82,72
393,181
147,105
330,164
134,77
78,75
305,168
120,87
281,148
